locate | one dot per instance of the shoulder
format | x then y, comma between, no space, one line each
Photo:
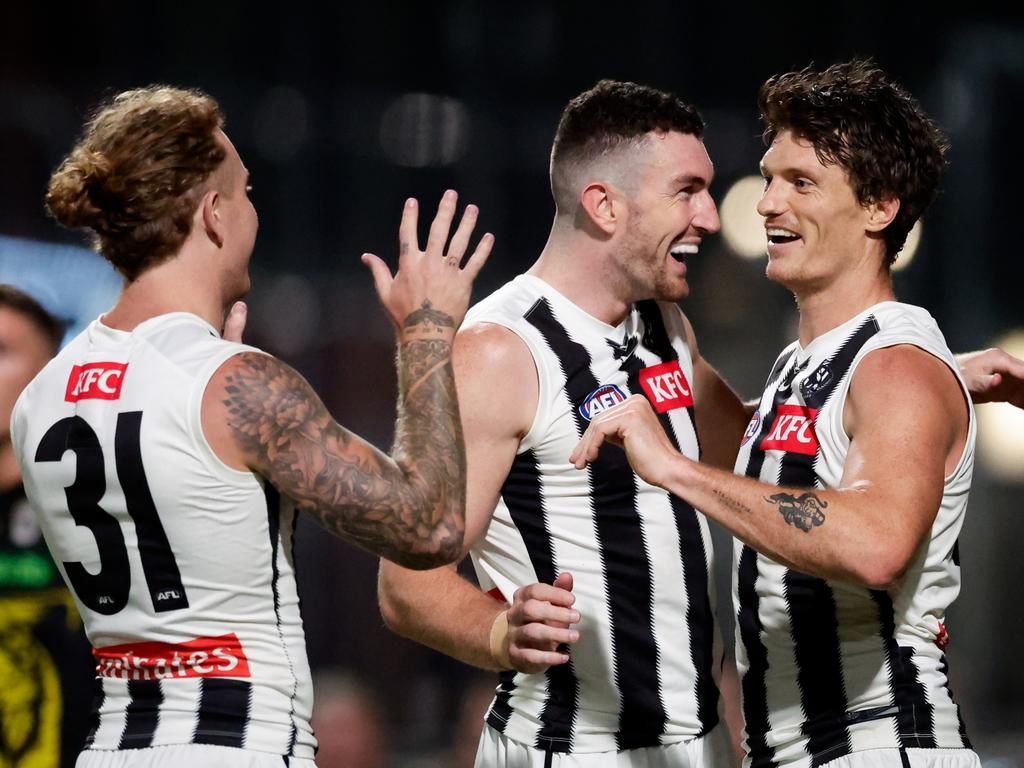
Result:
491,345
903,382
497,379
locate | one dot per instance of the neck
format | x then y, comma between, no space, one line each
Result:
828,307
172,286
577,265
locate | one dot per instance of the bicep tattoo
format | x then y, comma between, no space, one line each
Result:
400,512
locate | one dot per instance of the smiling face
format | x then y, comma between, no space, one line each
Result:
816,228
670,211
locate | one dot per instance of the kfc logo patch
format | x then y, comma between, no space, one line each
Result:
666,386
95,381
792,431
203,657
601,399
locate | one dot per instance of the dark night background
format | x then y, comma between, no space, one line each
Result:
341,113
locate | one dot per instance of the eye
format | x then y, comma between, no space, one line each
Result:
802,183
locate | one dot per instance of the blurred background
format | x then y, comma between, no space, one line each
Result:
341,113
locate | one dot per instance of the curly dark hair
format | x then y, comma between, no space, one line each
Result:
858,118
611,116
135,176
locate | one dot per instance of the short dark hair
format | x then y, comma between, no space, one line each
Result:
859,119
51,329
135,175
610,116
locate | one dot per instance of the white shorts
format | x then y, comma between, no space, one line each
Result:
711,751
908,758
190,755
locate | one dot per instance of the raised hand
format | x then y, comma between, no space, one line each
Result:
431,282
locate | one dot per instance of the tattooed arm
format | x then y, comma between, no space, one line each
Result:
259,414
907,420
441,609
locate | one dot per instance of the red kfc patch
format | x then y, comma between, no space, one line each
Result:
792,431
666,386
95,381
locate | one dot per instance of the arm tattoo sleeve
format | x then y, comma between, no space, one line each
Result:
410,509
803,511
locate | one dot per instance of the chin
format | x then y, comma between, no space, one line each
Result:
672,292
776,272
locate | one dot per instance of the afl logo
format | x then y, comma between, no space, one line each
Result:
752,428
600,399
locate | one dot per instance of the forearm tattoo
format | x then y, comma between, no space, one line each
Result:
410,510
803,511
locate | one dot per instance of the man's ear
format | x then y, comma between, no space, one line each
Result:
212,223
881,213
603,206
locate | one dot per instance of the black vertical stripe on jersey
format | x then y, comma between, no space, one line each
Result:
944,670
841,361
814,625
657,340
819,673
522,495
748,618
501,709
700,618
163,578
915,725
273,498
98,698
624,559
223,717
142,714
755,695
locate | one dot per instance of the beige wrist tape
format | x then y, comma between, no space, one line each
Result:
499,634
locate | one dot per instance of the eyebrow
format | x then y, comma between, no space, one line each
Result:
685,178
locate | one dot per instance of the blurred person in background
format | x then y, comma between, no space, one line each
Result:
46,670
348,722
167,464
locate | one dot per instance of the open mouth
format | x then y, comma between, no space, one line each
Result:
680,251
778,236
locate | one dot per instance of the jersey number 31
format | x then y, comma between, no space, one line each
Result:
106,592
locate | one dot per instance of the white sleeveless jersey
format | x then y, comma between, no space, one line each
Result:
641,672
829,668
181,566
